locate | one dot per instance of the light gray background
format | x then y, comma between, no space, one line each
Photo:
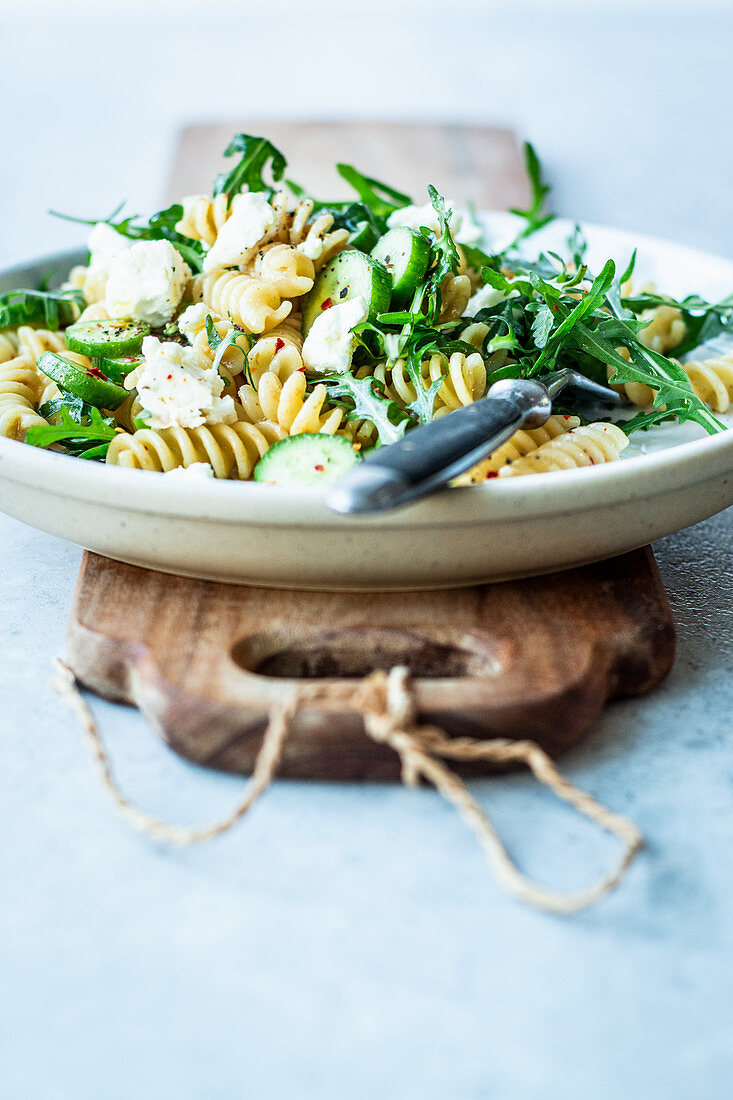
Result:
347,941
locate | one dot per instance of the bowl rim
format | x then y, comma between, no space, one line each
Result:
258,504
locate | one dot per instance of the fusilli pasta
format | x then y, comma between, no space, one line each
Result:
286,404
521,443
8,346
285,268
589,445
233,450
712,381
279,351
20,387
252,304
203,217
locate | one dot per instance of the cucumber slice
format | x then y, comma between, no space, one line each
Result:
89,383
106,338
306,459
117,369
351,274
406,255
364,237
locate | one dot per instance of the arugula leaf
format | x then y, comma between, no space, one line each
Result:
256,154
75,406
535,215
365,399
219,344
379,197
542,325
589,301
79,439
52,308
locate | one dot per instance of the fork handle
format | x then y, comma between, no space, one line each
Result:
430,456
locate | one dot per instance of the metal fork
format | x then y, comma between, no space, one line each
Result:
427,458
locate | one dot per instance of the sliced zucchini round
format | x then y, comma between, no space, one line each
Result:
306,459
119,367
406,256
89,383
364,237
106,338
351,274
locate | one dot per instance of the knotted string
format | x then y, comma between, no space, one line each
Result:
386,701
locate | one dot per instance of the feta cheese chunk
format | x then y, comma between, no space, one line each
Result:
250,220
330,343
197,471
463,226
484,298
104,243
178,390
193,321
147,282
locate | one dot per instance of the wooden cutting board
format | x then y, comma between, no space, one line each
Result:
204,662
478,163
534,658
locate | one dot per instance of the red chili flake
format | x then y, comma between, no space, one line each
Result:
169,377
566,416
96,373
302,369
279,345
326,304
319,469
491,473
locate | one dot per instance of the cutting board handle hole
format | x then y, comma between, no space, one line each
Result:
354,653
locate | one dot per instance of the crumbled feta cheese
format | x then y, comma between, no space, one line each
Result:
484,298
463,226
178,390
197,471
312,247
193,321
104,243
251,218
330,344
147,282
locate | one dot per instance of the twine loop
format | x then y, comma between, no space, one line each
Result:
387,703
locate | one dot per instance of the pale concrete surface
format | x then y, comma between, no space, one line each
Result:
347,940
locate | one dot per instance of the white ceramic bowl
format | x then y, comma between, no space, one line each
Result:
263,535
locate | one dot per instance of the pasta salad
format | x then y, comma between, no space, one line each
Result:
259,332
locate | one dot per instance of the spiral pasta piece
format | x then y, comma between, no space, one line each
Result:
8,346
464,383
20,388
97,311
285,268
712,381
665,330
33,342
253,305
521,443
455,292
475,334
287,405
232,361
203,217
279,351
589,445
233,450
316,239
